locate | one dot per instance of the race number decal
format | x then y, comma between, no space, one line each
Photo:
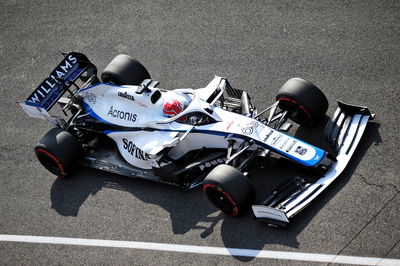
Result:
249,127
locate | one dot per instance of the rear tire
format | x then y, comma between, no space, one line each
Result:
58,151
229,190
305,102
124,70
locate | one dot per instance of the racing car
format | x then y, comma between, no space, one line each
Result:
121,122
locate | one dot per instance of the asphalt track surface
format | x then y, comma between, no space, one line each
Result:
350,49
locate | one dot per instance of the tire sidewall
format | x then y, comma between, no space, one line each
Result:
233,185
306,102
124,70
61,148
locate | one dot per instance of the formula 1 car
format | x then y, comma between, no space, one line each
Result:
126,125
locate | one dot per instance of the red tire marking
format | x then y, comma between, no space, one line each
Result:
301,107
207,186
60,166
236,209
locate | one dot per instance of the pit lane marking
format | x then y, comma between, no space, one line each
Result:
267,254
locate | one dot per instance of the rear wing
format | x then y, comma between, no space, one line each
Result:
60,80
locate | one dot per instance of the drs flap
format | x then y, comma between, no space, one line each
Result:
60,79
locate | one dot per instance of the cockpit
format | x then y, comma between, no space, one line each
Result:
185,106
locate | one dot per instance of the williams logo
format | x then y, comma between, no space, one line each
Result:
65,67
126,95
121,114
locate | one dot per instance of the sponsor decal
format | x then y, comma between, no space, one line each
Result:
300,150
127,116
291,145
284,144
268,135
126,96
134,151
90,97
249,128
49,83
212,163
275,140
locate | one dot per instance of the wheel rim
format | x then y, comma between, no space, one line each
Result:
221,199
50,162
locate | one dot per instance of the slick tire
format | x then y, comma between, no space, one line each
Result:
124,70
229,190
58,151
304,101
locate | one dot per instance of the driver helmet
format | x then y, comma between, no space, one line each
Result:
173,107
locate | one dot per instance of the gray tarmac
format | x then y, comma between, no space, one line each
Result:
350,49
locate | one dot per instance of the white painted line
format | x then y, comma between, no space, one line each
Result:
280,255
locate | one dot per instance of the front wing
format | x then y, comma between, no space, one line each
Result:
344,132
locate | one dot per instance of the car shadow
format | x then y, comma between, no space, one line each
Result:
188,209
68,195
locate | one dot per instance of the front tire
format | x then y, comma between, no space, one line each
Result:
229,190
58,151
304,101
